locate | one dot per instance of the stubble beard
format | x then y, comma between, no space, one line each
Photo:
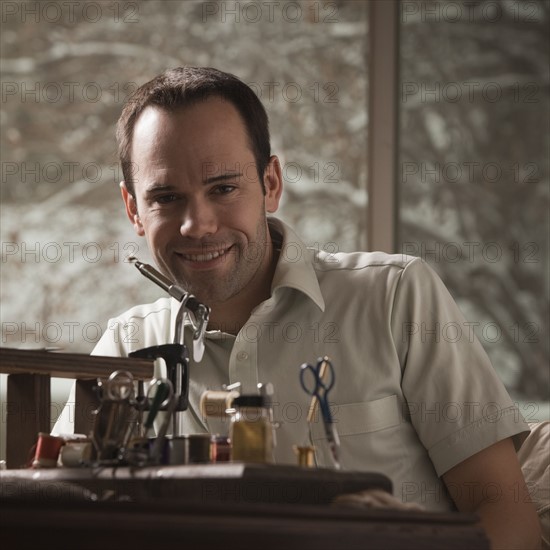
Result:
247,258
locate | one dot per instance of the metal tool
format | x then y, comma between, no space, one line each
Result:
189,305
175,354
317,381
162,396
116,416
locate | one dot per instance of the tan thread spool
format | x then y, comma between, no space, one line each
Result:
306,455
214,403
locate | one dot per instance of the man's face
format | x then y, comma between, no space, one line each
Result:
198,200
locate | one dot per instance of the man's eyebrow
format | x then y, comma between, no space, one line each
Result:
155,188
222,177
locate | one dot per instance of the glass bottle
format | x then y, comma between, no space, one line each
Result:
251,430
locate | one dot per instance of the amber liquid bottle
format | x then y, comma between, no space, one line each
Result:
251,431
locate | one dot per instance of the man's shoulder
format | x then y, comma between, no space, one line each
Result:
159,308
359,261
141,326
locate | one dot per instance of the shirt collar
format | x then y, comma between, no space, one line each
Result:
295,266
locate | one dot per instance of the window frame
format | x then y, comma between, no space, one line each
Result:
382,112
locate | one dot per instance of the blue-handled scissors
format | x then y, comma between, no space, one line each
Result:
317,381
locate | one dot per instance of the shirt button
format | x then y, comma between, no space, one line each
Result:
242,356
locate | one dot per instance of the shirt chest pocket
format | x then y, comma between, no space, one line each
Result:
368,431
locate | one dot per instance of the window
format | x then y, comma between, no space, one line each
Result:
473,173
67,68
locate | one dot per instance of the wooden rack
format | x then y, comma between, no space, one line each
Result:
28,403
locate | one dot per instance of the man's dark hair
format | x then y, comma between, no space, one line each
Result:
185,86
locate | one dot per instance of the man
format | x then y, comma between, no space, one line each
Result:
199,183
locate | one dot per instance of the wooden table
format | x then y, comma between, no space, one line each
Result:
230,505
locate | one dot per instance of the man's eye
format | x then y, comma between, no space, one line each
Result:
224,189
165,199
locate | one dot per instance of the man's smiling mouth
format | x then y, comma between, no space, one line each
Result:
205,257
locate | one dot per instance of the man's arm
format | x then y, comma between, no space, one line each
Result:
491,484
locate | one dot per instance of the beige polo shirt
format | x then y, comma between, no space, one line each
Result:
415,393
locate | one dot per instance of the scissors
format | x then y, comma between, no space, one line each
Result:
317,381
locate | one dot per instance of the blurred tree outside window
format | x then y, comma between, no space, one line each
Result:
66,72
67,68
472,158
473,174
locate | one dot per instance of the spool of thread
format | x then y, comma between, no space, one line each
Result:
221,448
47,450
75,453
215,403
190,449
306,455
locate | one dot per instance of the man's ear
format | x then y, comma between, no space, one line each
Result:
131,209
273,184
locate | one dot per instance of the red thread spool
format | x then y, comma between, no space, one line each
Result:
47,450
221,449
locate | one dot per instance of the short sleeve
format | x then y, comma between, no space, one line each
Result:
457,403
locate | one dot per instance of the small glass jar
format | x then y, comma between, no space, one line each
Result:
251,431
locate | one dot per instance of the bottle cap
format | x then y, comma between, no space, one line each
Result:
249,401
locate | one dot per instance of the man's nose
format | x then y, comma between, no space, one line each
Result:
199,219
